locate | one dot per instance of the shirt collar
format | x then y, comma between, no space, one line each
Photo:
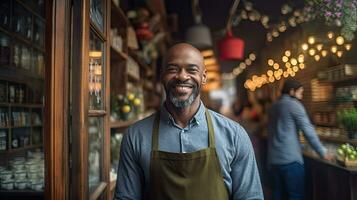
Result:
196,119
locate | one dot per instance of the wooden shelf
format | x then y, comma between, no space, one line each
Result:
325,124
25,105
10,151
117,55
338,140
112,185
122,124
140,61
21,194
18,73
119,15
133,78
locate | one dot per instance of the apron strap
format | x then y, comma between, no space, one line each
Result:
155,132
210,129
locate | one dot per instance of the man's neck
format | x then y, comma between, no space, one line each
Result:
182,116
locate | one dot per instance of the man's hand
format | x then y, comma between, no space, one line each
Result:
329,157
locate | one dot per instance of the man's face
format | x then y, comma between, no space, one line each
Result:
183,75
298,93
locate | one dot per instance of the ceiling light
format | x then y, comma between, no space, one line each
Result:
330,35
276,66
319,47
301,58
302,65
293,61
333,49
348,46
270,62
324,53
312,52
317,57
287,53
339,54
252,56
285,59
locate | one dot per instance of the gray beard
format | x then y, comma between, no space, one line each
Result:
183,103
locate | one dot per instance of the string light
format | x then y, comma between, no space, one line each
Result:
317,57
302,65
288,53
285,59
293,61
340,40
348,46
333,49
339,54
311,40
304,46
252,56
301,58
319,47
312,52
324,53
270,62
276,66
330,35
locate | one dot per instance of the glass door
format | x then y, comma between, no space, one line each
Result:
89,82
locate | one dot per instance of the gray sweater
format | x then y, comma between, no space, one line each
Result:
286,118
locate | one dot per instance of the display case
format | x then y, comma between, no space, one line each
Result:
22,94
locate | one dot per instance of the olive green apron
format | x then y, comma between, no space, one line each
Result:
186,176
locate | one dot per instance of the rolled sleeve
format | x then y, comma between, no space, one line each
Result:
304,124
130,175
245,176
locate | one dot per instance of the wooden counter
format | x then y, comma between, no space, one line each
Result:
329,180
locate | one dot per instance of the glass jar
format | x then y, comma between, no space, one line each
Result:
5,175
20,174
7,184
20,184
3,140
37,185
4,50
32,174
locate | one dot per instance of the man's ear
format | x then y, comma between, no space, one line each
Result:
204,77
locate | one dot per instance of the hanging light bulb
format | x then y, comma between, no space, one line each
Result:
319,47
312,52
270,73
348,46
311,40
292,74
334,49
339,54
340,40
324,53
330,35
317,57
287,65
270,62
304,46
285,59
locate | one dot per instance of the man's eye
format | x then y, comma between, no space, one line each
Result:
171,69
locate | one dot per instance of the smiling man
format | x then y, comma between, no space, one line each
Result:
185,151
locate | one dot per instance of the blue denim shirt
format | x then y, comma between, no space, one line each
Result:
287,117
233,147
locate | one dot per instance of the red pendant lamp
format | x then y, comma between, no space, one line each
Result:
230,47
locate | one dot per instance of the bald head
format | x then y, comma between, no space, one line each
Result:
182,51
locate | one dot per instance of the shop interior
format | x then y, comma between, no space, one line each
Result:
75,74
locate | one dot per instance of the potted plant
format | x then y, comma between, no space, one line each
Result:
348,118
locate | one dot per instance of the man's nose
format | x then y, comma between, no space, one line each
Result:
182,75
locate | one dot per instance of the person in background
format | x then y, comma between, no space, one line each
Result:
185,151
286,118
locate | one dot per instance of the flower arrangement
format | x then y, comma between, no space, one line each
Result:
342,13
